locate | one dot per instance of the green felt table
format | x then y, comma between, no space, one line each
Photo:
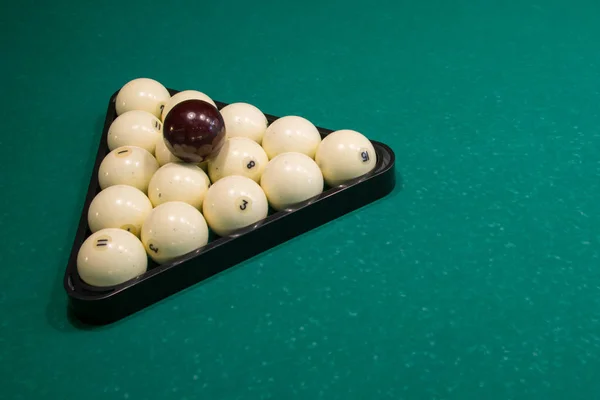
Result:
479,278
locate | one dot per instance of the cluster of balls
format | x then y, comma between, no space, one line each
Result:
178,167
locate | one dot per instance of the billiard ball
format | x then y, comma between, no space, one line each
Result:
178,182
127,165
193,130
291,178
184,95
238,156
291,134
232,203
142,94
110,257
135,128
119,206
344,155
173,229
244,120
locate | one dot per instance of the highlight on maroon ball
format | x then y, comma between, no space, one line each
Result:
194,130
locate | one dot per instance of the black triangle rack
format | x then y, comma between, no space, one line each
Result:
96,306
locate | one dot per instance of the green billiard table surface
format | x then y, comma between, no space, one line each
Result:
478,277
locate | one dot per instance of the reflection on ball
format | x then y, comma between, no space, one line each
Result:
163,154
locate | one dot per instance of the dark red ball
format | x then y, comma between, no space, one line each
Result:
194,130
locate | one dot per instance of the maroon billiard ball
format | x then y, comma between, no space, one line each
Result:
193,130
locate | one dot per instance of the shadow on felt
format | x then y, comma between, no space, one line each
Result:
57,311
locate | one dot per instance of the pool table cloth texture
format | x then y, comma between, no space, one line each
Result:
477,278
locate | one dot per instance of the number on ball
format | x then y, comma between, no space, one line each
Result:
244,204
102,242
364,156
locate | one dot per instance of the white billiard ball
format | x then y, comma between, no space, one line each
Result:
142,94
244,120
178,182
344,155
173,229
135,128
110,257
182,96
238,156
291,178
127,165
119,206
232,203
291,134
